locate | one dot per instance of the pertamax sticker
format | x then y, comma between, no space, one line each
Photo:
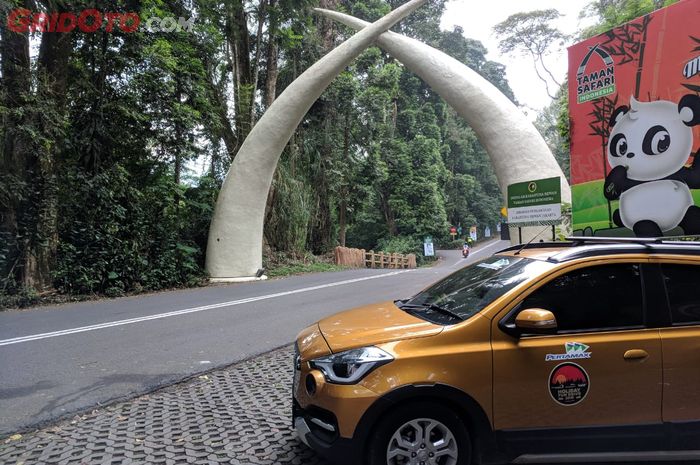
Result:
574,351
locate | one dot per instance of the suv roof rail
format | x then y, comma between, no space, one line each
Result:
606,245
581,240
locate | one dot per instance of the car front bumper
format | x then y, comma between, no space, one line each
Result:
316,433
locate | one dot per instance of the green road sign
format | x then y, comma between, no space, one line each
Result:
535,202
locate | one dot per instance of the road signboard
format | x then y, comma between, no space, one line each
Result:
534,203
428,249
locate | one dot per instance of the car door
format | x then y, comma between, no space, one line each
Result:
681,350
602,368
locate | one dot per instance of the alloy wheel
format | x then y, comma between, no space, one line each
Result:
422,441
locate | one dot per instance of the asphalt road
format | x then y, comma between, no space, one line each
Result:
59,360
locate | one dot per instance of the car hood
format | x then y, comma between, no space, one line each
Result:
373,324
310,343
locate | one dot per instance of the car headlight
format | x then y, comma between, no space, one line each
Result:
351,366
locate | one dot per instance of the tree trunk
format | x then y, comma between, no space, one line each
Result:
54,54
388,213
342,222
272,52
14,48
327,29
224,130
343,207
238,38
256,65
322,232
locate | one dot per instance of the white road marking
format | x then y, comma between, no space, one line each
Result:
82,329
477,252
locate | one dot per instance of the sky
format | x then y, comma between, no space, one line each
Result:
478,19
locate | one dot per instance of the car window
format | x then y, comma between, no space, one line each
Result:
472,288
682,286
601,297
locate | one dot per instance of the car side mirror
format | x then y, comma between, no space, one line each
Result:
536,320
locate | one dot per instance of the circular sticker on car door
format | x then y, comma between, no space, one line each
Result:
568,384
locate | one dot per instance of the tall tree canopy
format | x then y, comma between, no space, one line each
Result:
534,34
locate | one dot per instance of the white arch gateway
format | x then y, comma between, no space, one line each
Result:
516,149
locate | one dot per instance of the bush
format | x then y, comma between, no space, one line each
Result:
129,239
451,245
400,244
23,297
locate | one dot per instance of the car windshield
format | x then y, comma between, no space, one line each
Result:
466,292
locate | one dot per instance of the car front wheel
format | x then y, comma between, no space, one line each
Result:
421,434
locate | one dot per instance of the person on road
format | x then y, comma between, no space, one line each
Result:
465,250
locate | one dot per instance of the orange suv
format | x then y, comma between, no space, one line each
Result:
587,350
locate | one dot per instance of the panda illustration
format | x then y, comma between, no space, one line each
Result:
648,147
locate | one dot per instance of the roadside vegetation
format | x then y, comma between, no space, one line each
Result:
279,264
114,145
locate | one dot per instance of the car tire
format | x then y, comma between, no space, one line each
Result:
399,438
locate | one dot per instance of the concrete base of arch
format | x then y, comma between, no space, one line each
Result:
241,279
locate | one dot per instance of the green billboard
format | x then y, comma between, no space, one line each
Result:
534,203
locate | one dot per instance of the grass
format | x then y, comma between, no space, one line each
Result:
300,268
590,208
278,264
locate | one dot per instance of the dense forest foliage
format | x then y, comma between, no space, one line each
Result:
114,144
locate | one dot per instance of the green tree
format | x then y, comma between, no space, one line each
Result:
549,123
532,34
609,14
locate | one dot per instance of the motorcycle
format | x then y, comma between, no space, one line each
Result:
465,252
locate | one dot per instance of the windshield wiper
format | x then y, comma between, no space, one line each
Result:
437,308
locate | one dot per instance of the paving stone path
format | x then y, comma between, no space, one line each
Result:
238,415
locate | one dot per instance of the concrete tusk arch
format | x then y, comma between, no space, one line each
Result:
234,248
517,150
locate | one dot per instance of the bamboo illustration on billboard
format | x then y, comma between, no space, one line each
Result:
692,68
629,43
600,115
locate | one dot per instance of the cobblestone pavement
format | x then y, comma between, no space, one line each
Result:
238,415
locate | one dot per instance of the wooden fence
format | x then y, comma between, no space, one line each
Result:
359,258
